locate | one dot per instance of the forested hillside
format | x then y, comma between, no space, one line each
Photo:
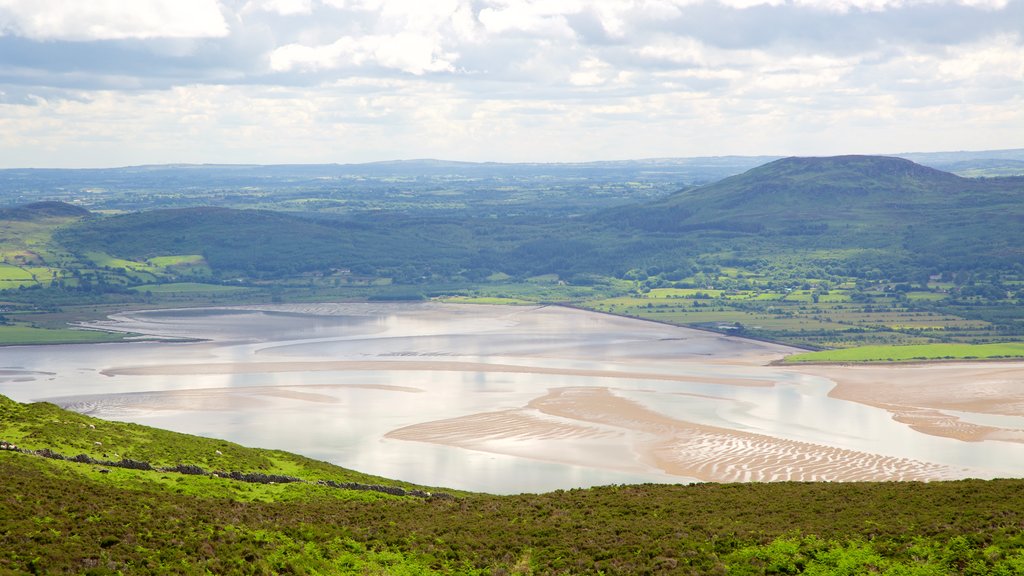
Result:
872,210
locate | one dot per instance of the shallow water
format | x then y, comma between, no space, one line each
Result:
331,380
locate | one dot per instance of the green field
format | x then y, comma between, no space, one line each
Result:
105,260
493,300
911,353
188,288
25,335
183,260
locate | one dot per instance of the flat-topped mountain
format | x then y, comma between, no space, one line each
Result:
850,202
815,188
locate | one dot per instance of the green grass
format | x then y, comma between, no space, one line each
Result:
484,300
10,273
103,259
188,288
20,334
43,425
926,296
683,293
188,259
909,353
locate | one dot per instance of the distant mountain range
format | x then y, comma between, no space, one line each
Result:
860,211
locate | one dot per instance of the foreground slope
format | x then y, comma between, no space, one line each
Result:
67,517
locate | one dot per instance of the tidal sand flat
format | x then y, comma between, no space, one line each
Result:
970,401
523,399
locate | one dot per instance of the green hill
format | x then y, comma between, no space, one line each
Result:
270,244
933,218
81,516
40,210
233,241
795,189
915,216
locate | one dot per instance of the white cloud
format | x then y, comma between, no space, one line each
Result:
678,51
879,5
406,35
352,80
540,18
111,19
592,72
282,7
410,53
998,57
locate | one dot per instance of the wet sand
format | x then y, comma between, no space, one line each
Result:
220,399
923,395
539,397
408,365
593,426
635,438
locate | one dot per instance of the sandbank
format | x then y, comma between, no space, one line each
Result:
408,365
569,421
924,395
219,399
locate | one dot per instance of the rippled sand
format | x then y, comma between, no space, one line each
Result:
651,439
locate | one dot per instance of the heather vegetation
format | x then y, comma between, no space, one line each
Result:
67,517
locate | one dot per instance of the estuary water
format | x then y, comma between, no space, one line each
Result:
498,399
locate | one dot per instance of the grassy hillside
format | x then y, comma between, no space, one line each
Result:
61,517
925,217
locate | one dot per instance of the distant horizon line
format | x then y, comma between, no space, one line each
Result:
440,161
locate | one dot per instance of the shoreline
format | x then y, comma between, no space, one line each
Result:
926,395
688,326
780,362
590,424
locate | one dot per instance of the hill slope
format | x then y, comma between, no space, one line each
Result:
936,219
61,517
39,210
265,243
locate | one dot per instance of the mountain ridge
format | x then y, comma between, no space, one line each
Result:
935,218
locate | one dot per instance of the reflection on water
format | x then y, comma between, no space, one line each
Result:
341,412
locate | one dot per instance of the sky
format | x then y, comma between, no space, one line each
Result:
100,83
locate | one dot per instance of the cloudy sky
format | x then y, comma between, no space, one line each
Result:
123,82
